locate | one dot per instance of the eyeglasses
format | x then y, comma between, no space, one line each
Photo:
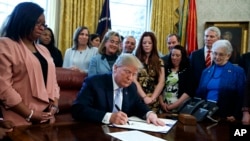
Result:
219,54
39,24
128,72
114,42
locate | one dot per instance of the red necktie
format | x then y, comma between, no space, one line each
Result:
208,59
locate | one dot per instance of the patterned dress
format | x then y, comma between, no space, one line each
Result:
171,88
148,80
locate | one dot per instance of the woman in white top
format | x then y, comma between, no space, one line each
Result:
77,58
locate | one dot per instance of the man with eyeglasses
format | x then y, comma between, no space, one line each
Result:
97,100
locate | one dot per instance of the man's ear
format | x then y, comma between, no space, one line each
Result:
115,68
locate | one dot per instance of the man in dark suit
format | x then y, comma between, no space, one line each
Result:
197,58
245,62
172,40
95,101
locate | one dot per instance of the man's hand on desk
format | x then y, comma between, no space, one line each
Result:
152,118
119,118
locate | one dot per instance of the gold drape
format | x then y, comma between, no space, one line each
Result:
183,22
74,13
164,20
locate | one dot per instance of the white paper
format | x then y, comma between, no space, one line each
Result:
139,124
134,136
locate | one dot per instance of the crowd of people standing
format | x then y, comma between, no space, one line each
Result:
155,84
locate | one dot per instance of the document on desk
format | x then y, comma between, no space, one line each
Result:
134,136
139,124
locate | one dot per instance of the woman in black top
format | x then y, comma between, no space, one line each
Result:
47,39
178,87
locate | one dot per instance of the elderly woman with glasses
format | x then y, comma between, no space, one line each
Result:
223,83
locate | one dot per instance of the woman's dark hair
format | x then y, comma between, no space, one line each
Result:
153,57
21,22
184,59
76,35
93,36
51,46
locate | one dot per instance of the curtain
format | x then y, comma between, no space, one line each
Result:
188,26
74,13
183,22
164,20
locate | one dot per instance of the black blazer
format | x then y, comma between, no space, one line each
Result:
245,62
96,98
185,84
198,64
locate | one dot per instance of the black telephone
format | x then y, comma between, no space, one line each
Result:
199,108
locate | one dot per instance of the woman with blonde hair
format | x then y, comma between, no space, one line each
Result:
108,52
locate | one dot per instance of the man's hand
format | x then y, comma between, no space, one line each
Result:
231,119
119,118
246,118
152,118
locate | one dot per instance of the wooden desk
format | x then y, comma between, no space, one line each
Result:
73,131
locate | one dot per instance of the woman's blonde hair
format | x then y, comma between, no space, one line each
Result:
106,37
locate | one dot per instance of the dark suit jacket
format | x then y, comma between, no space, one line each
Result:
245,62
197,62
185,76
96,98
247,92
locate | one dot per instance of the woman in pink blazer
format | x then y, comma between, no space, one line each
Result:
29,90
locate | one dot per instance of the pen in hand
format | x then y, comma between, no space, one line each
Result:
118,109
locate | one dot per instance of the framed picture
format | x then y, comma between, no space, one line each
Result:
236,33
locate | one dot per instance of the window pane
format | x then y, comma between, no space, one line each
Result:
129,17
6,7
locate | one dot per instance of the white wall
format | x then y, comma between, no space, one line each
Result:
221,10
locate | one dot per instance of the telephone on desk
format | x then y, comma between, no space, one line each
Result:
199,108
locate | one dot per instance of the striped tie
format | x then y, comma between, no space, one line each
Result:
208,58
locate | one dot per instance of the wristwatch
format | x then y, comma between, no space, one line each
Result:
29,117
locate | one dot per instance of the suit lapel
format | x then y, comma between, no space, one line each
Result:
125,101
202,55
109,92
105,62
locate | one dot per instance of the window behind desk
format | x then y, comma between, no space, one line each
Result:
6,7
130,17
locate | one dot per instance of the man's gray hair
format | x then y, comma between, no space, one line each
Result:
223,44
127,59
214,29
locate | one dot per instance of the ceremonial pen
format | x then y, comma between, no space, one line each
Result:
118,109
